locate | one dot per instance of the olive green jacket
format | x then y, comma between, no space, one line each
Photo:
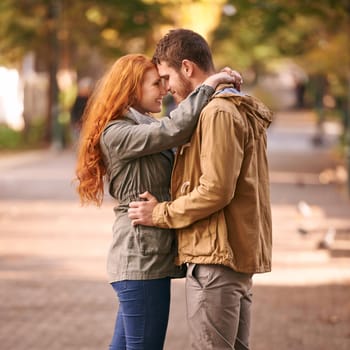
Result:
220,187
138,156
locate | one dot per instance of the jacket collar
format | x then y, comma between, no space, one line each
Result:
227,90
140,118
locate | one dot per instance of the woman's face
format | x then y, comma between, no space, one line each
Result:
153,91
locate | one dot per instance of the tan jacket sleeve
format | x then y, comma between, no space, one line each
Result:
220,160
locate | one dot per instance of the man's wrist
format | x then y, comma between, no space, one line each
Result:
158,215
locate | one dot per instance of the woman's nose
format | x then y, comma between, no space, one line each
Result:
163,90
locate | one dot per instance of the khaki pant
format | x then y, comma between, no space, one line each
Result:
218,307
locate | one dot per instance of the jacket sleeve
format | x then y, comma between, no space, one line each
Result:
220,160
131,141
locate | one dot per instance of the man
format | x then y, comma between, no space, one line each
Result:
220,198
84,90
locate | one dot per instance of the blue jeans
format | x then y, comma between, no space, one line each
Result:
143,314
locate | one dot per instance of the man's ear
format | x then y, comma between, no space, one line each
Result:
187,68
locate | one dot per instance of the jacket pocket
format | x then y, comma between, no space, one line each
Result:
200,238
153,240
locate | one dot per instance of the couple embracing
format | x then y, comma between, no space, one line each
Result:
192,192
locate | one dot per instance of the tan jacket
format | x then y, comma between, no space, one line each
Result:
220,187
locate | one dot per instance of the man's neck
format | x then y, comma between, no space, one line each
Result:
200,77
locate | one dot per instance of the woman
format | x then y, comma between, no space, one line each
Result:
123,143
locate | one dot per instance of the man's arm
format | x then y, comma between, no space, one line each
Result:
221,158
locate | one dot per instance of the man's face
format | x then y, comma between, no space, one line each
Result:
176,83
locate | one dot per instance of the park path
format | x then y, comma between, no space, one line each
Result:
53,286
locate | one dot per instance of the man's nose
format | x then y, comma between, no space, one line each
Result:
166,85
163,90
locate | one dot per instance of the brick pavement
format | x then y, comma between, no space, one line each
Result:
53,287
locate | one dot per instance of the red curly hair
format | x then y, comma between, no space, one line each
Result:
119,89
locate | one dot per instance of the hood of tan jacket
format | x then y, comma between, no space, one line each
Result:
257,113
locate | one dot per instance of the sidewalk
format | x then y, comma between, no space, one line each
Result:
53,285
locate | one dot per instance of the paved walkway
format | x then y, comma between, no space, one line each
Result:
53,286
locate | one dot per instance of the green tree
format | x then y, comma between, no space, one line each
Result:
253,33
67,34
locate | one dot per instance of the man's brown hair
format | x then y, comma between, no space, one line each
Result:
183,44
